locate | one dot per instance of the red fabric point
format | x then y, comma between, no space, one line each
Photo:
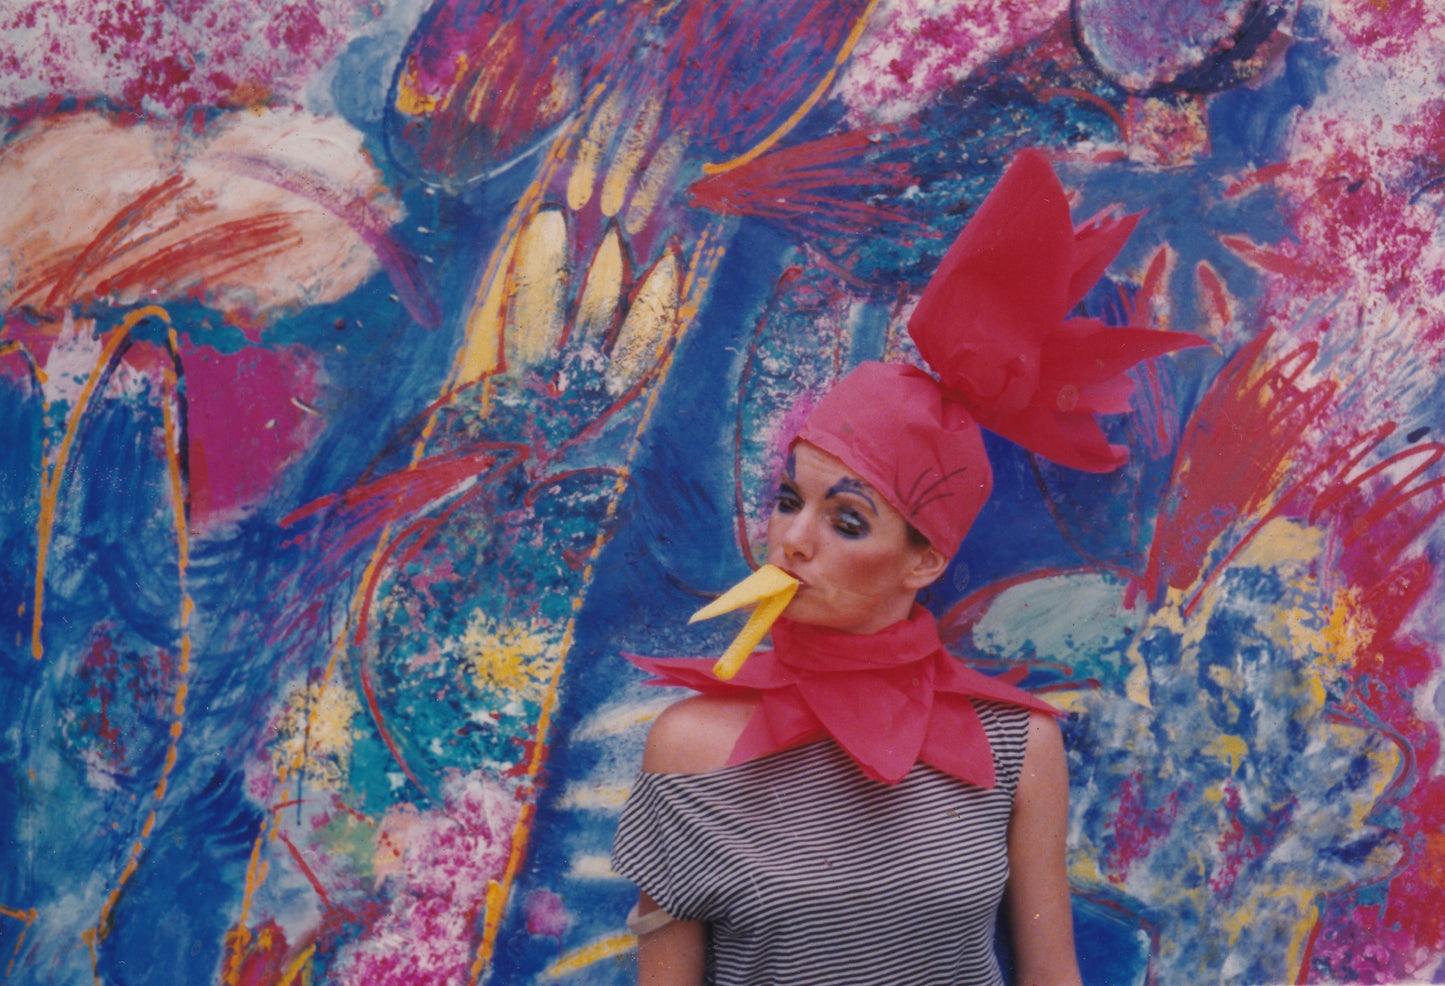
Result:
890,699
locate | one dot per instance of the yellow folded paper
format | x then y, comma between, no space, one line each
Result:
771,589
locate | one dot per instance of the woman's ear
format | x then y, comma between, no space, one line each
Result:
928,565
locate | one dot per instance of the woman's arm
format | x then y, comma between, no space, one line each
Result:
1039,913
674,954
690,737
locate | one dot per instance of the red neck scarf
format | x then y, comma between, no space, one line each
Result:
889,699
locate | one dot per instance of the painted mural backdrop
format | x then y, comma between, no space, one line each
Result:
372,373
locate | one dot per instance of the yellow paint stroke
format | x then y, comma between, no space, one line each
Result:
481,351
297,970
50,478
1295,948
1230,749
707,253
1232,922
648,327
1350,624
1328,651
656,181
580,958
819,91
587,157
601,292
1281,542
28,917
1136,683
628,158
623,719
239,937
506,658
594,797
413,102
181,517
537,312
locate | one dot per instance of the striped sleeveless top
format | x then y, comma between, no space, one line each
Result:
807,872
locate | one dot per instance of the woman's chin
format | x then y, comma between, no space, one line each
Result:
805,610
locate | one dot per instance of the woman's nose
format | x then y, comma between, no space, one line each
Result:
797,536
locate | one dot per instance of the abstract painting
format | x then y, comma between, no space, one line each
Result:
376,373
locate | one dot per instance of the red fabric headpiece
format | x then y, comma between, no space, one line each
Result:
993,324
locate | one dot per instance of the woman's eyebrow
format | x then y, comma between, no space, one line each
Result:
855,486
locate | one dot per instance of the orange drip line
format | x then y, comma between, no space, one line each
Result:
28,917
50,479
172,438
705,258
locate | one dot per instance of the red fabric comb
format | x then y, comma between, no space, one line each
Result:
993,321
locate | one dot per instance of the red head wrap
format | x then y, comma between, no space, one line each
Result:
993,324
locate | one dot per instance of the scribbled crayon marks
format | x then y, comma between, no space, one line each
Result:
262,213
479,89
481,86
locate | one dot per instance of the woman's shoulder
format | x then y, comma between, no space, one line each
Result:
696,734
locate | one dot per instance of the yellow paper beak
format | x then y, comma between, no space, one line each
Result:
771,589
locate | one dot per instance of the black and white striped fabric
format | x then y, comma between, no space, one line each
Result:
807,872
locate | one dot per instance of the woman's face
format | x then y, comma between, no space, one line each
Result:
847,546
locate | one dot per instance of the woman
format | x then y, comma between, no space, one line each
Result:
855,804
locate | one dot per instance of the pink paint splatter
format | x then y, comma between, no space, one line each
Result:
426,935
916,48
170,56
1237,847
1386,30
1137,827
546,914
120,695
1363,202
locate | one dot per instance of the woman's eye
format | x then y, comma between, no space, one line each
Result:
788,501
850,524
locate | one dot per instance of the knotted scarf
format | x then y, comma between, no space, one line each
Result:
889,699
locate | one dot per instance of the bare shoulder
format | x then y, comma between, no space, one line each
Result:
1045,736
1045,770
696,734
